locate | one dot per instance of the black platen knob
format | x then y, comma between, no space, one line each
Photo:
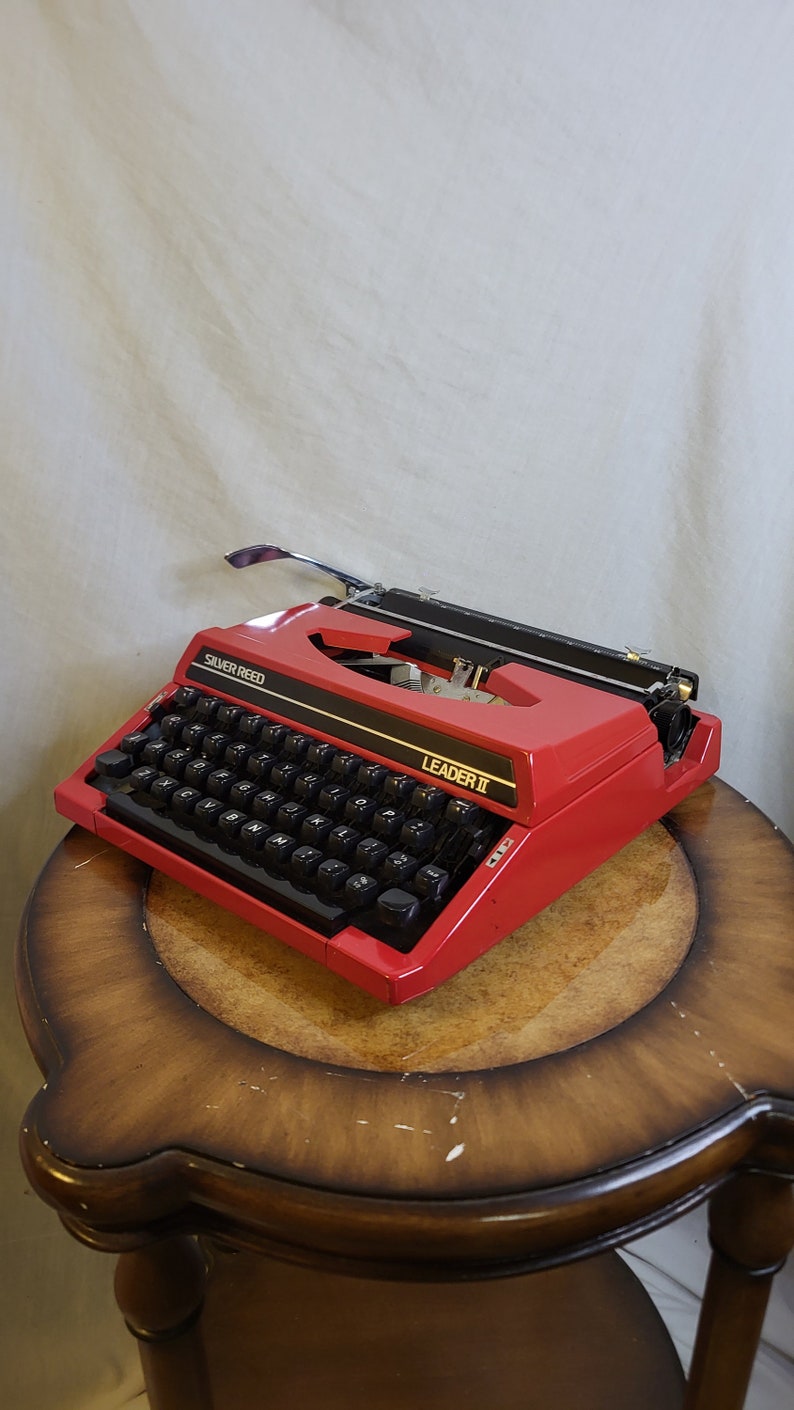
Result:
674,721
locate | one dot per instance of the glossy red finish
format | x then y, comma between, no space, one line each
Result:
588,769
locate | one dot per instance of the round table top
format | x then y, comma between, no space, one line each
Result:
611,1061
584,965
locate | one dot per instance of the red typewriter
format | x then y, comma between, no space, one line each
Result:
391,783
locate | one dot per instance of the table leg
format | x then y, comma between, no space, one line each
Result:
751,1229
160,1290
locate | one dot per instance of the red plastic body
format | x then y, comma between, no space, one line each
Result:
586,766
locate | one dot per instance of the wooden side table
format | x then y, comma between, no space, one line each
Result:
389,1207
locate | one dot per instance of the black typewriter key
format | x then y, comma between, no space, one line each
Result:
193,735
220,783
273,735
321,755
184,800
369,854
144,776
214,744
315,829
176,761
431,882
266,804
250,727
482,840
296,745
207,707
231,822
155,752
399,867
427,800
398,787
305,861
397,907
134,743
229,715
242,794
371,776
114,763
345,766
361,889
342,840
254,835
309,786
332,799
197,772
260,763
164,788
388,822
462,812
332,874
171,727
417,835
290,816
324,914
360,810
208,811
284,775
185,698
236,755
279,848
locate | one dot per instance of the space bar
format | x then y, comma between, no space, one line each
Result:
276,891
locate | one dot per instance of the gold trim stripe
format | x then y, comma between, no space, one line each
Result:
509,782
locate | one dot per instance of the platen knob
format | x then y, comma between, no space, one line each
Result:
673,720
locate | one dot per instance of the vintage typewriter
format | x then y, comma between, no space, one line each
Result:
391,783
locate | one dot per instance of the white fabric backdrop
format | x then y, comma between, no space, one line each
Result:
496,299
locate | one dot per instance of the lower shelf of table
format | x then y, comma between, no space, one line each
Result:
585,1337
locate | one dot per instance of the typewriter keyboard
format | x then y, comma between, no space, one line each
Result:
323,835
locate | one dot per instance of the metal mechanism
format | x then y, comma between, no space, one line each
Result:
270,553
456,648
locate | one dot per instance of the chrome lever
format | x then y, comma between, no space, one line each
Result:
269,553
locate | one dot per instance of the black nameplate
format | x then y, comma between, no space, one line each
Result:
441,757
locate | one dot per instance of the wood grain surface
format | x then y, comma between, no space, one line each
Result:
157,1111
583,1338
582,966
